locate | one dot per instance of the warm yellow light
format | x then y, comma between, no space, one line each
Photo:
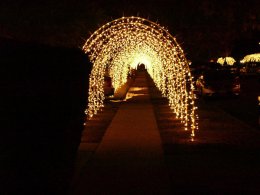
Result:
251,58
141,58
229,61
123,44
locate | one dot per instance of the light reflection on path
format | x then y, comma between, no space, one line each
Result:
133,92
136,91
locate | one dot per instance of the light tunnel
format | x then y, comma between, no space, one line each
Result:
122,44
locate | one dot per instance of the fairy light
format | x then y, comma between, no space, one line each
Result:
251,58
120,45
229,61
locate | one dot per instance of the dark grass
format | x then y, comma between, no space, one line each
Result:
216,162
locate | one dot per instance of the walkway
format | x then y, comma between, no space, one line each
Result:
130,157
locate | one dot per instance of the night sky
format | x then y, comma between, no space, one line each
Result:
205,29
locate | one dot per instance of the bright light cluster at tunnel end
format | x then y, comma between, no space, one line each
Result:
120,45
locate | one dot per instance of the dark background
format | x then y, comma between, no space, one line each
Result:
205,29
43,99
44,73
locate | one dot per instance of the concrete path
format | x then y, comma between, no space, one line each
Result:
129,160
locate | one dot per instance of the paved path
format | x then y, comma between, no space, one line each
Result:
129,160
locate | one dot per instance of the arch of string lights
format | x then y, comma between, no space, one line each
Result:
120,45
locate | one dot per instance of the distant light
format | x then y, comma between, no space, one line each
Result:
251,58
229,61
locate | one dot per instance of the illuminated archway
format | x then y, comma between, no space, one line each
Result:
124,43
